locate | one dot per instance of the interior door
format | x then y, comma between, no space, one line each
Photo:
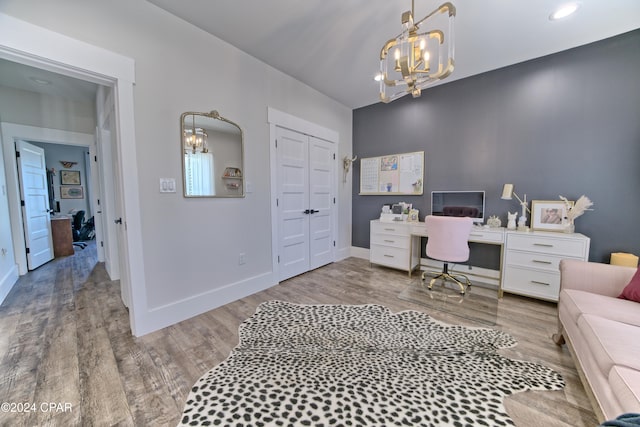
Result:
32,173
293,203
321,174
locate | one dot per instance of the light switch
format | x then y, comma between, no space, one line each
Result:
167,185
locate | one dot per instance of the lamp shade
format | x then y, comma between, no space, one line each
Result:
507,192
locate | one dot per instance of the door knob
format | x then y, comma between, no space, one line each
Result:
313,211
306,212
118,221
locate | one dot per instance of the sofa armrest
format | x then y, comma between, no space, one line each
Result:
603,279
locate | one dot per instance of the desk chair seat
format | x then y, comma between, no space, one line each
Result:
448,242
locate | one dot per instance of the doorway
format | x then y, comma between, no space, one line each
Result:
83,61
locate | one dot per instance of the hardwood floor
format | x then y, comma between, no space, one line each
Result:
64,339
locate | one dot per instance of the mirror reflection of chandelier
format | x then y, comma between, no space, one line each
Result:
418,59
195,139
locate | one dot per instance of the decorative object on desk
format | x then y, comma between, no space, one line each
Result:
71,192
67,164
507,193
494,222
413,215
547,215
346,165
327,362
69,177
574,210
420,56
511,224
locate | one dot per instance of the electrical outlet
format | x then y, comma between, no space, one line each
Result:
242,258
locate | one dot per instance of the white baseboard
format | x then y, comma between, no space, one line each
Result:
7,282
343,253
167,315
359,252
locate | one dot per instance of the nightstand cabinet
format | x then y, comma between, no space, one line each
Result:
531,261
392,245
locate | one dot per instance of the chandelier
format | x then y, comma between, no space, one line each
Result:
418,59
195,139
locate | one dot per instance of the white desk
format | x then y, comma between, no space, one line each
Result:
529,260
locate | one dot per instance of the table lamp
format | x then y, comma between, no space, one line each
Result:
507,193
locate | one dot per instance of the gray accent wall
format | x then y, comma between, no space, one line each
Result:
565,124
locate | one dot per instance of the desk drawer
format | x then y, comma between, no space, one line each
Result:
534,260
389,256
547,245
393,240
534,283
486,236
389,228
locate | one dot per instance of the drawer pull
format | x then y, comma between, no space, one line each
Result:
546,245
389,256
539,261
475,235
390,241
389,229
540,283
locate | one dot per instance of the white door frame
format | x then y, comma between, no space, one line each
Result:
276,119
32,45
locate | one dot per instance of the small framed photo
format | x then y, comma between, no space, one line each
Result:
413,215
71,192
548,215
70,177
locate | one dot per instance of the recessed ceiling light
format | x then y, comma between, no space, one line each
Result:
40,81
564,11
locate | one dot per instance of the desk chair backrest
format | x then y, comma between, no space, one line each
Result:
448,238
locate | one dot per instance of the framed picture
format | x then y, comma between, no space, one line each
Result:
548,215
70,177
71,192
413,215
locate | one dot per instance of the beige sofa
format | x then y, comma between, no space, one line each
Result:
603,334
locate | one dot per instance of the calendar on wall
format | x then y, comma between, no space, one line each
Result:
392,174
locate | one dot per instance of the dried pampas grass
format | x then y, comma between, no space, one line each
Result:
580,206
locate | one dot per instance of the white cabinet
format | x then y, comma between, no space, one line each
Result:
531,261
392,245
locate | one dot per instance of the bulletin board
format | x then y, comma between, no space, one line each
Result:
393,174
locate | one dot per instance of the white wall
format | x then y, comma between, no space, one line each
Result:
191,246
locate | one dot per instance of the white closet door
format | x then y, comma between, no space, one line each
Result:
321,171
32,172
293,203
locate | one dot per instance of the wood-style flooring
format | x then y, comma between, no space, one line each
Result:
65,339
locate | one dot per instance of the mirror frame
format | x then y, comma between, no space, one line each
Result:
213,114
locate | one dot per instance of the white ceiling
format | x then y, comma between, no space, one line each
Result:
24,77
334,45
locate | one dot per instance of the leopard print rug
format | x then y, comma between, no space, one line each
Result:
346,365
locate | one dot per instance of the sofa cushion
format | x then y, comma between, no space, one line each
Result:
577,303
632,290
625,383
611,343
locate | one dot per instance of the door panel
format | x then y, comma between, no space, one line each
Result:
321,161
32,173
293,200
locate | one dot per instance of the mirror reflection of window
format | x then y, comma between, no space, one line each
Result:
199,174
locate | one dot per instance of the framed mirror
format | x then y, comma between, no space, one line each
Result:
212,155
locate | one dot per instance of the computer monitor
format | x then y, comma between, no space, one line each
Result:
458,203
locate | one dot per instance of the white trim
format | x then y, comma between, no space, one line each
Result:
167,315
281,119
7,282
10,133
343,253
29,44
358,252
